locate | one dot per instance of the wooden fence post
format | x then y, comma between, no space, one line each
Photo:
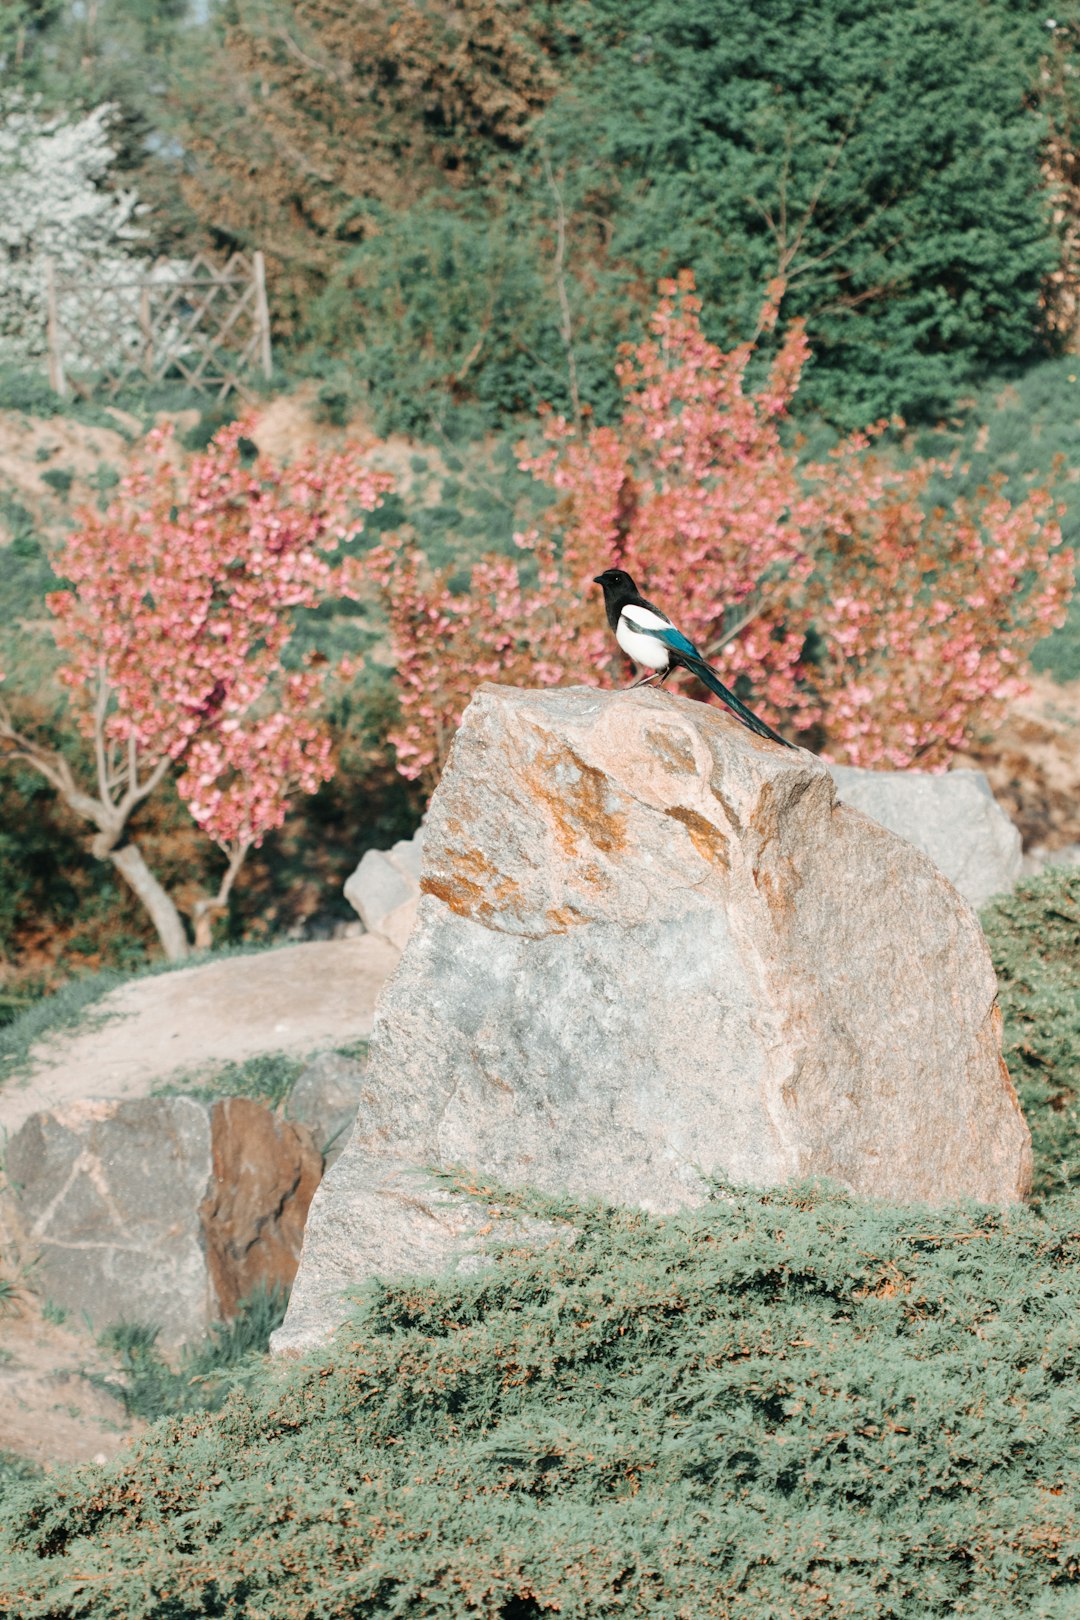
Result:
56,358
147,330
262,311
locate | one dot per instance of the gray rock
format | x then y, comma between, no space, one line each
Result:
161,1209
110,1193
325,1098
953,817
408,856
385,889
1039,859
653,949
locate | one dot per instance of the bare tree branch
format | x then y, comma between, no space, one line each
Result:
138,791
101,706
729,632
788,247
205,909
328,70
109,817
48,761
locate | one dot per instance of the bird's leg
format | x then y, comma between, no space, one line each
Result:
644,680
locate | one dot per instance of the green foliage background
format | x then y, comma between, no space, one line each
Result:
902,141
887,159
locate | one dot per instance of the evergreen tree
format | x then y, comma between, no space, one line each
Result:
885,158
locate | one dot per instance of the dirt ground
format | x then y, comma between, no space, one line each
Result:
31,446
300,999
50,1411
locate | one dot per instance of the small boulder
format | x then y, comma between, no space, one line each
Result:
951,816
385,890
324,1099
654,949
161,1209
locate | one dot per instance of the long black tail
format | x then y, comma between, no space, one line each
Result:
708,677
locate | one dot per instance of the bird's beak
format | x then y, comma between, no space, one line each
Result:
598,579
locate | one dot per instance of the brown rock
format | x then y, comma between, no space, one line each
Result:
653,949
265,1172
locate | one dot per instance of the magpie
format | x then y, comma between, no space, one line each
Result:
648,637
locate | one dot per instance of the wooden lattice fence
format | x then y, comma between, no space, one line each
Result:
204,323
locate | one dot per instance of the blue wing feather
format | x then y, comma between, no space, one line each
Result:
683,647
671,638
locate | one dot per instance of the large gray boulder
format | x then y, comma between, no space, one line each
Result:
654,949
951,816
161,1209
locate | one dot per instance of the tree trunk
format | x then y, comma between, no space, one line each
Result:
203,917
129,862
210,907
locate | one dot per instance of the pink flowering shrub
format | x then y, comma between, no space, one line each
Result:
848,611
179,609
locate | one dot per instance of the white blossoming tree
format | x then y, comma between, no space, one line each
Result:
54,204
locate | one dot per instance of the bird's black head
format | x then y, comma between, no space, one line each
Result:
616,582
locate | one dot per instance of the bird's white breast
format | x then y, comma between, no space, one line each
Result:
644,649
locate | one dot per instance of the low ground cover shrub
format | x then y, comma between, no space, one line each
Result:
784,1403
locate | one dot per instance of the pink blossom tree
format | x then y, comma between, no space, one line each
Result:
174,629
853,613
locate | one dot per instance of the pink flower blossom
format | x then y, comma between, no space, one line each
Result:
880,629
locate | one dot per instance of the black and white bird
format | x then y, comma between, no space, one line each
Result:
648,636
